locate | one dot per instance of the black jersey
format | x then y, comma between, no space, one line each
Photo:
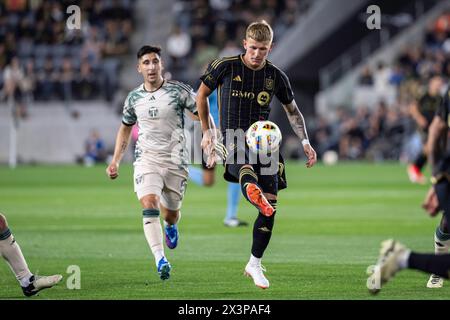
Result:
244,95
428,105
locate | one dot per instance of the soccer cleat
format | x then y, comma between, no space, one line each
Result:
164,268
257,198
415,175
234,222
256,273
435,282
387,264
172,236
39,283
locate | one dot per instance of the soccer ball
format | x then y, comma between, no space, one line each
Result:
330,158
263,137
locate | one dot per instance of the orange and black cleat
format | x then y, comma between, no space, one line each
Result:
257,198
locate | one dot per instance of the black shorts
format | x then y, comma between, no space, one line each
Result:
270,183
18,95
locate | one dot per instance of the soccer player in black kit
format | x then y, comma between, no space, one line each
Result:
393,255
423,112
246,85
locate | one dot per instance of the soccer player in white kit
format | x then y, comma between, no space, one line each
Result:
161,157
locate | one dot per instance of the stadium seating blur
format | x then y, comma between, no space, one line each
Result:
211,29
60,63
377,124
364,113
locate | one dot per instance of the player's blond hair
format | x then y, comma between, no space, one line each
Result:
259,31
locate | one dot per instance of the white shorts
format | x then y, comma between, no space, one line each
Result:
168,184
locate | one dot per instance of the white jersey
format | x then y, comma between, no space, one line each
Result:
160,119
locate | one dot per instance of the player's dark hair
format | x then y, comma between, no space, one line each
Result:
148,49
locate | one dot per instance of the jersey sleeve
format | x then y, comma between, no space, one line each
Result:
284,90
189,99
214,74
129,115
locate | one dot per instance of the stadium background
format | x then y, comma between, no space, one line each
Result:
353,84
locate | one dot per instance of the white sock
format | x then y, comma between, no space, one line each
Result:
254,261
154,236
403,259
439,249
10,250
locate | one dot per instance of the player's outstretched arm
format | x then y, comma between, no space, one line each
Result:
202,103
122,140
298,125
209,139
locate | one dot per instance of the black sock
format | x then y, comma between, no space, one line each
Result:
262,232
420,161
431,263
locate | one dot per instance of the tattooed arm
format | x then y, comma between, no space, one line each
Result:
296,119
122,140
298,125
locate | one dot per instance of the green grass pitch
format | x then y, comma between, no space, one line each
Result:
329,224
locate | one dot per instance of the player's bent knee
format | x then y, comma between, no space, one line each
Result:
270,196
150,202
3,223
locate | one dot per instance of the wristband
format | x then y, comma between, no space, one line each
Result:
305,142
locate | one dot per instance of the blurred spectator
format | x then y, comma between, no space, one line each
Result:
66,78
15,89
366,77
205,54
230,49
115,46
47,79
85,85
95,149
397,76
178,47
29,81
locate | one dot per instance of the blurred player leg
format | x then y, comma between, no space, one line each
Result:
11,252
196,175
233,197
153,233
442,234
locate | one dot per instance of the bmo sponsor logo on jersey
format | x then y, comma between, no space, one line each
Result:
243,94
